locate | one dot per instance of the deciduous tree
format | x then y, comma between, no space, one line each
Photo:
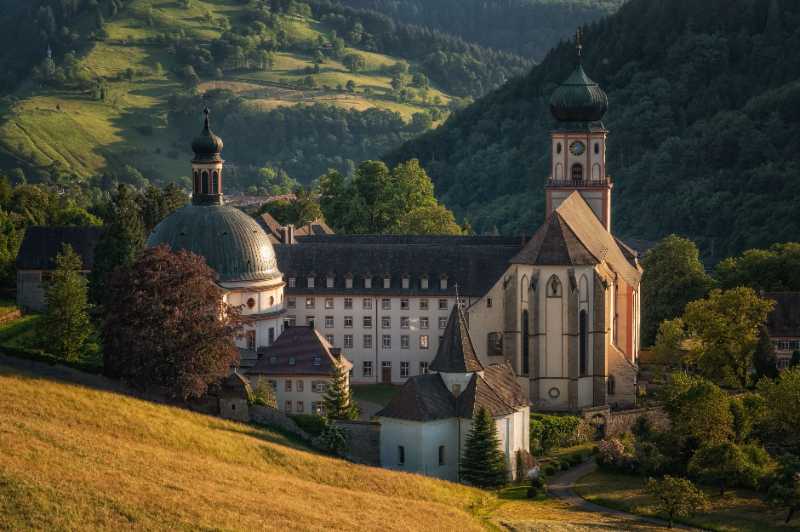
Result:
765,361
677,497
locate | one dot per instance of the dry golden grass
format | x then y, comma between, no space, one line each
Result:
73,457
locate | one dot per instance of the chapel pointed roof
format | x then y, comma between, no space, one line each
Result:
456,353
555,244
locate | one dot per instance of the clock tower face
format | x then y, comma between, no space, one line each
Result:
577,148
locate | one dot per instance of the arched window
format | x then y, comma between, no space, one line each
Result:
215,183
583,340
554,287
205,182
196,181
558,148
525,344
597,148
577,172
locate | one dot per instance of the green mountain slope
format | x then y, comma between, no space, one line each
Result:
703,119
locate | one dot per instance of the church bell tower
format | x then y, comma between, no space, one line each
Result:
578,146
207,166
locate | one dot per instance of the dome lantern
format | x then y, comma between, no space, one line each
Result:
579,99
207,166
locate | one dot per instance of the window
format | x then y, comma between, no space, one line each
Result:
300,406
441,455
442,304
300,385
577,172
441,339
290,321
423,283
406,283
423,368
488,302
328,303
319,386
291,361
387,282
292,282
348,303
386,322
288,406
401,455
205,183
596,148
348,322
404,304
386,304
443,283
251,340
583,337
423,304
316,360
271,335
423,322
318,408
404,342
386,341
405,322
442,322
311,302
783,363
423,341
554,287
310,321
404,369
367,341
494,344
251,302
367,322
215,182
329,322
526,344
348,282
287,385
329,282
310,282
367,282
366,368
366,303
558,148
348,341
612,385
330,338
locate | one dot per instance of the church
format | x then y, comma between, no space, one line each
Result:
561,309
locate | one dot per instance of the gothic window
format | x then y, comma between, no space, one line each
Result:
583,340
205,182
554,287
525,344
558,148
577,172
196,181
215,183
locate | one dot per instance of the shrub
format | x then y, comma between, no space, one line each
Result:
264,394
312,424
552,431
537,486
565,464
332,439
613,454
549,470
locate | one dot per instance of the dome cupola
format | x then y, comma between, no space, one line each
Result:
207,146
579,99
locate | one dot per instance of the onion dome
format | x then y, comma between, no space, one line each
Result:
233,243
579,99
207,146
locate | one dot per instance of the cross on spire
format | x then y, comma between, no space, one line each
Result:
578,44
206,112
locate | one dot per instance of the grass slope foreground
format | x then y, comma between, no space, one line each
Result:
74,457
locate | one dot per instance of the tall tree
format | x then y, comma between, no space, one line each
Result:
699,411
677,497
781,414
483,463
166,325
338,400
65,326
123,239
724,328
723,464
673,276
157,204
765,361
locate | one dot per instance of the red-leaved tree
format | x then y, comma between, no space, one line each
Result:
166,325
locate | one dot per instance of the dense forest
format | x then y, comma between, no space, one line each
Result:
526,27
704,123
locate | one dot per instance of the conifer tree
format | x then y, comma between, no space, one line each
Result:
483,463
65,326
338,400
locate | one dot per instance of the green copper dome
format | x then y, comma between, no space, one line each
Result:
207,146
233,243
579,99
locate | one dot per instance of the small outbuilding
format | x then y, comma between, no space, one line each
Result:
234,398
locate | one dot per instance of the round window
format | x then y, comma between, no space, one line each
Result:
554,393
251,303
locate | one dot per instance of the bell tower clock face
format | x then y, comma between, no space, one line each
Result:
577,148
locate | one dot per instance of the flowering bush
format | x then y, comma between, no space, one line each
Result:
613,453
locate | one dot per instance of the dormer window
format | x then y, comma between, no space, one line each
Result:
423,283
443,283
292,282
316,360
367,282
273,360
329,282
310,282
291,361
406,282
387,281
348,282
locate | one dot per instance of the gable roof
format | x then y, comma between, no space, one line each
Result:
502,379
479,394
456,353
299,350
581,222
41,246
784,320
273,228
422,398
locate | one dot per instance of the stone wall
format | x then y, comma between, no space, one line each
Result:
364,441
275,418
619,422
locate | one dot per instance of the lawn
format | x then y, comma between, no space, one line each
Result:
379,394
738,510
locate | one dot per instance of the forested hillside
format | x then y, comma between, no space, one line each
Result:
526,27
111,90
704,120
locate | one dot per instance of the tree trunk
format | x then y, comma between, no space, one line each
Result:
791,513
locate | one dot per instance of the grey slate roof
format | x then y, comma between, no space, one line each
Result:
426,398
784,320
475,263
456,353
41,245
555,244
299,350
